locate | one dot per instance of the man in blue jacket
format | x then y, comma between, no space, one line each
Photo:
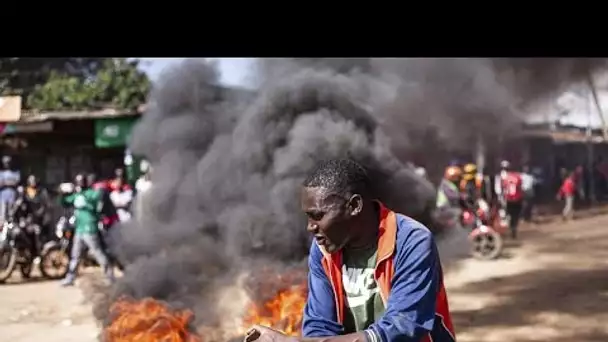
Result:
375,275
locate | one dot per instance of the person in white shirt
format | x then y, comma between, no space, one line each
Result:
142,185
498,188
122,197
144,182
528,183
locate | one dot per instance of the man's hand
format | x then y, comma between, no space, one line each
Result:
260,333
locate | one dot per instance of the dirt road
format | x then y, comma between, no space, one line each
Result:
552,287
44,311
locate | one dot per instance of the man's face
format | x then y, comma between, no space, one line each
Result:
79,181
31,181
329,218
119,173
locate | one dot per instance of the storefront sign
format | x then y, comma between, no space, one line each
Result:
114,132
10,108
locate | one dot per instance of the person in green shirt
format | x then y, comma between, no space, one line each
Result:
87,205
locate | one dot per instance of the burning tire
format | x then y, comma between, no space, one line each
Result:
486,243
54,262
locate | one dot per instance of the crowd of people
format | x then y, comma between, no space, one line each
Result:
512,191
96,205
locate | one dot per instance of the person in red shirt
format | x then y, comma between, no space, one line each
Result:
508,187
567,192
118,182
109,216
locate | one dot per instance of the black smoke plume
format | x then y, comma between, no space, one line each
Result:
227,165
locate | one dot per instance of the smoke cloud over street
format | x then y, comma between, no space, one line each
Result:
227,165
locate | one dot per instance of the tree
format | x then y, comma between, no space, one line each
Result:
74,83
117,84
19,76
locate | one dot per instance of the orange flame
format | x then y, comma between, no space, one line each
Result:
148,320
283,312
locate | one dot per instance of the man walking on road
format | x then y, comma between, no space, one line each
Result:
508,187
87,204
567,192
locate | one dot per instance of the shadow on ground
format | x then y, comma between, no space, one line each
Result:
523,297
569,296
552,213
18,280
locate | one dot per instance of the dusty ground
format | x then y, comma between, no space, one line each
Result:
552,287
44,311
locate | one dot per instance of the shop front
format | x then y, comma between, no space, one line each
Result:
58,146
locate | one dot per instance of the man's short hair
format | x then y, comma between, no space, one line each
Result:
343,177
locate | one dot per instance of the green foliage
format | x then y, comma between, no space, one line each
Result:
118,83
19,76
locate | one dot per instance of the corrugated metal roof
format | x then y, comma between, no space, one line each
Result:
565,136
231,92
575,106
75,115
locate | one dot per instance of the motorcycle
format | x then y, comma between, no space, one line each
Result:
56,254
486,227
16,248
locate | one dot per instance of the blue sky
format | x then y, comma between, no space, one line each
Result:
234,71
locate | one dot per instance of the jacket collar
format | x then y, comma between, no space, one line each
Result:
387,236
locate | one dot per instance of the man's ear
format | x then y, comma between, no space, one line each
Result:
355,205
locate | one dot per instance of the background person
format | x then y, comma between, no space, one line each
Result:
9,180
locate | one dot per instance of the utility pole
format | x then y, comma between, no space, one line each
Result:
480,153
480,161
598,106
589,135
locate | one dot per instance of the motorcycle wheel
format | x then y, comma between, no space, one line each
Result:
26,270
54,263
486,245
8,262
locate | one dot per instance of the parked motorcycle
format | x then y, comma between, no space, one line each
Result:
55,255
16,248
486,228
